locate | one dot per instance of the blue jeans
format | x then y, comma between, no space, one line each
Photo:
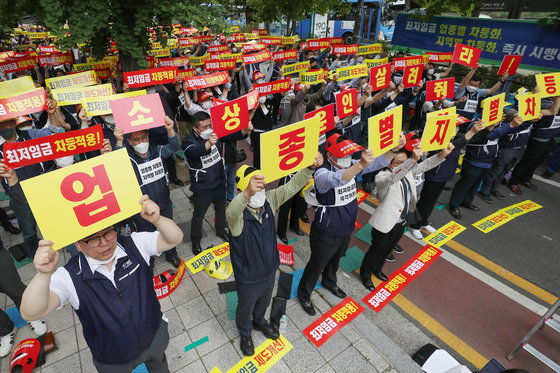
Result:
230,181
27,225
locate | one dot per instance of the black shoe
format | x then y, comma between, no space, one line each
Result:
224,236
247,346
498,195
455,213
178,182
485,197
547,175
305,219
382,276
390,258
196,248
397,249
10,228
298,231
470,206
268,330
284,240
175,262
338,292
368,188
308,307
366,281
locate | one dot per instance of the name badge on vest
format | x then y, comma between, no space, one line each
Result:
345,194
151,171
555,122
470,106
418,179
322,139
212,158
392,106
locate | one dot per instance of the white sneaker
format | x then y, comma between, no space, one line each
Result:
7,343
39,327
429,229
416,234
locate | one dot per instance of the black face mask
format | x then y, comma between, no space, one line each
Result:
7,133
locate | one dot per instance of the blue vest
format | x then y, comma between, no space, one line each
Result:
204,178
517,137
547,128
254,253
461,106
158,190
118,323
334,220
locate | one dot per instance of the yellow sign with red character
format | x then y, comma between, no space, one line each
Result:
197,263
385,130
438,132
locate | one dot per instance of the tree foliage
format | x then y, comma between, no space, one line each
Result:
437,7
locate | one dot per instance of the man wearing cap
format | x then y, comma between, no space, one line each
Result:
253,248
336,213
110,287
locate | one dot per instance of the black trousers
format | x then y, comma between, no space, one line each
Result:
466,187
256,143
11,285
202,201
381,246
298,206
253,300
428,199
535,154
326,252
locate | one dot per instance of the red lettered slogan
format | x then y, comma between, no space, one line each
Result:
249,59
286,253
230,117
347,103
465,55
172,283
438,89
138,113
510,64
332,321
23,104
326,116
177,61
345,49
380,76
56,59
218,48
18,65
205,81
440,57
401,278
273,87
284,55
216,65
19,154
143,78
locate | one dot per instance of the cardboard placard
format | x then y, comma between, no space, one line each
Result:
230,117
23,104
384,130
138,113
438,132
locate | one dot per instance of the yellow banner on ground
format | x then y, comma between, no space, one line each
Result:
385,130
266,355
295,68
504,215
289,149
102,106
83,198
197,263
84,79
444,234
197,61
312,77
438,132
370,49
376,62
16,86
74,95
352,72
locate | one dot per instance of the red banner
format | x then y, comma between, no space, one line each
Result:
326,116
346,103
438,89
466,55
332,321
177,61
402,62
188,41
271,40
56,59
47,49
230,117
401,278
361,196
380,76
172,283
285,55
185,73
204,81
216,65
260,31
249,59
235,38
412,75
253,47
23,104
345,49
143,78
286,253
47,148
334,41
439,57
252,99
313,44
273,87
18,65
218,48
510,63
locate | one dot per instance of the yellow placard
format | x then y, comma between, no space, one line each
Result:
449,111
385,130
83,79
234,29
16,86
266,355
290,39
493,109
549,84
230,56
352,72
370,48
83,198
529,106
198,61
93,66
312,77
289,149
102,106
444,234
376,62
164,52
172,43
251,36
197,263
156,45
74,95
37,35
295,68
438,132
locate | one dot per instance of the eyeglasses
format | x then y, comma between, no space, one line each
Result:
96,240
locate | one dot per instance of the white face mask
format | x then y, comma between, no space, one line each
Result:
471,88
262,100
259,81
344,162
234,50
64,161
207,104
360,60
258,199
26,127
142,148
398,80
101,262
430,71
338,63
364,86
206,133
197,70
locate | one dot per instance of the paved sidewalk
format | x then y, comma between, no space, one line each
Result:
197,310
